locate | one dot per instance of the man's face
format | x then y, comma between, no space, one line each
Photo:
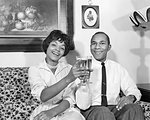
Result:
99,47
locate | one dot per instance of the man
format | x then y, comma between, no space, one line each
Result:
113,107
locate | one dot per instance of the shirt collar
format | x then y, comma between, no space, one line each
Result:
94,60
61,65
43,65
96,63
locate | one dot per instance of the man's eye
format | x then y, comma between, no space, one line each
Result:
102,43
93,43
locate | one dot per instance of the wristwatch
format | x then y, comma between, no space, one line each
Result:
134,98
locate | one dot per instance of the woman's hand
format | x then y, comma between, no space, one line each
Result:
81,72
49,114
77,72
45,115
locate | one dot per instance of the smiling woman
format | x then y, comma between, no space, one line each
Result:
53,81
25,23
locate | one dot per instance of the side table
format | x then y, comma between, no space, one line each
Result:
145,91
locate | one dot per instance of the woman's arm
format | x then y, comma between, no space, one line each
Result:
55,89
61,107
51,91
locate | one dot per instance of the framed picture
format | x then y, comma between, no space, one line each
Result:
25,23
90,17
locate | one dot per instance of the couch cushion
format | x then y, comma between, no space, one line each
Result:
16,100
146,109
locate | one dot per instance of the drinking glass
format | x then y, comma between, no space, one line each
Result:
85,63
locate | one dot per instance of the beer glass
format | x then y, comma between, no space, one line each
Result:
85,63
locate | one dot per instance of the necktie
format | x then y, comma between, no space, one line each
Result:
104,98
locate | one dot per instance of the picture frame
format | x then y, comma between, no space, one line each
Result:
90,16
20,32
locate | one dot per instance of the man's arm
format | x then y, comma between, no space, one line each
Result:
128,85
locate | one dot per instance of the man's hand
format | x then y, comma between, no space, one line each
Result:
124,101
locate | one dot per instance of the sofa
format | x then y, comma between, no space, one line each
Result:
16,101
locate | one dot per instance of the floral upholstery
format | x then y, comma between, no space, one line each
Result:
16,101
146,109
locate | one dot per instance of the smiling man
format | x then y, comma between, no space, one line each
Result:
107,80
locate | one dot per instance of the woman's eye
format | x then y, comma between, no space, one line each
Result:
62,48
53,44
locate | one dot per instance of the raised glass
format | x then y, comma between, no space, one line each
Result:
85,63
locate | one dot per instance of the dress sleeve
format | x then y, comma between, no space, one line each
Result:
36,82
83,97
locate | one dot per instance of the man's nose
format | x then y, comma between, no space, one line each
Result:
98,45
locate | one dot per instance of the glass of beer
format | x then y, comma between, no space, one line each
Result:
85,63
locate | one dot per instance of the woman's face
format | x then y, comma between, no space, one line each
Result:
55,51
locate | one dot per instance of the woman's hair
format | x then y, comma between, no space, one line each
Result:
57,35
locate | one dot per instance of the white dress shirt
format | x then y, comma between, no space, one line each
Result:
117,79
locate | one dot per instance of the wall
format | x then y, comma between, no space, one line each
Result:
17,59
128,47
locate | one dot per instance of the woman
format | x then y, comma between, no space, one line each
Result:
53,81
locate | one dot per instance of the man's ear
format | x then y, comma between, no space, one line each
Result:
109,47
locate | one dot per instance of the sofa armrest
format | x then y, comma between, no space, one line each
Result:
146,109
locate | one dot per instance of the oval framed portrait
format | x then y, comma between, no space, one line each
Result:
90,16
